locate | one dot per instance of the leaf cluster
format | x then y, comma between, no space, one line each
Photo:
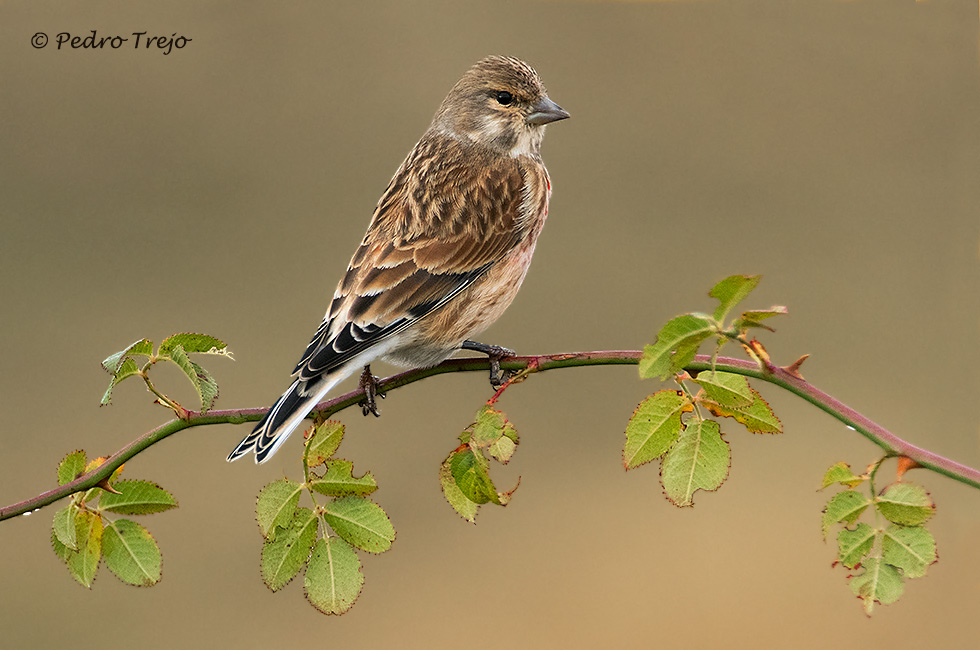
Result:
673,425
893,547
83,533
137,358
323,537
465,474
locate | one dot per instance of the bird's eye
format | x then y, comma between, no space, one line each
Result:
504,97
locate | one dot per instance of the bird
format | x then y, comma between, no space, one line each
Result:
446,249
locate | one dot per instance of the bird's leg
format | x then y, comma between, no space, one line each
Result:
369,384
495,353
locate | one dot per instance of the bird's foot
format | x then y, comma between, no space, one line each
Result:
370,385
495,353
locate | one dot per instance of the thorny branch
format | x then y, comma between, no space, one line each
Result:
787,378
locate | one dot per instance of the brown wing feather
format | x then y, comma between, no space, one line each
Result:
446,218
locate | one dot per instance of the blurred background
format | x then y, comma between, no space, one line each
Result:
221,188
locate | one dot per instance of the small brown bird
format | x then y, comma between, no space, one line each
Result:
446,250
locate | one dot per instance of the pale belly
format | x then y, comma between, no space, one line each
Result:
438,335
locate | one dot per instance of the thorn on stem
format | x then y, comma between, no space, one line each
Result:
104,484
905,464
794,368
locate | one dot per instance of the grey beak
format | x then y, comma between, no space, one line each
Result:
545,112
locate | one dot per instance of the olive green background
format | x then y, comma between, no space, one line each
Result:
833,147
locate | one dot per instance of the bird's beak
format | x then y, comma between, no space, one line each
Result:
545,112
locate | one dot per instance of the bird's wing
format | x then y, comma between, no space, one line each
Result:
430,238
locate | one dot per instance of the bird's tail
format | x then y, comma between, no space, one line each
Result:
284,416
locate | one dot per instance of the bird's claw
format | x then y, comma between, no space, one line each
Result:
370,385
494,353
498,377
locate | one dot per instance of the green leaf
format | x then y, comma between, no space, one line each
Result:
114,362
845,507
179,356
907,504
503,449
750,319
126,370
201,379
193,344
699,461
83,562
339,480
63,526
654,427
910,548
122,366
177,348
471,472
726,388
323,443
59,548
284,553
466,508
731,291
131,553
878,582
853,545
841,473
486,427
333,578
276,505
137,498
757,416
490,426
71,467
677,343
361,522
207,388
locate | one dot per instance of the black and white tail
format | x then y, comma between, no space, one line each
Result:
285,415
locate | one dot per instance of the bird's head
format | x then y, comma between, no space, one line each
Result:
501,104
